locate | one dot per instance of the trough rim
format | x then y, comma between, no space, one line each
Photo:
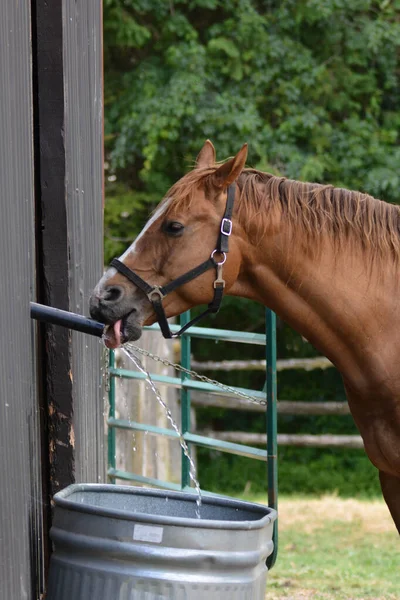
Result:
62,499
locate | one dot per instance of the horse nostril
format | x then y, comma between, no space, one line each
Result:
112,294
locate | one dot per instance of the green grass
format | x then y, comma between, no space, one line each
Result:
335,548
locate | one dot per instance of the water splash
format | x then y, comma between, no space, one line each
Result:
192,470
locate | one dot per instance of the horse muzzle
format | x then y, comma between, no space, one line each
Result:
124,330
114,308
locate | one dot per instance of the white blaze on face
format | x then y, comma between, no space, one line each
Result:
132,248
160,211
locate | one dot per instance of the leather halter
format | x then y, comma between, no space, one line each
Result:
155,293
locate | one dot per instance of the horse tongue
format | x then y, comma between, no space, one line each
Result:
112,337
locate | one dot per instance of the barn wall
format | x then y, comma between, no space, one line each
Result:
83,102
68,134
51,171
20,468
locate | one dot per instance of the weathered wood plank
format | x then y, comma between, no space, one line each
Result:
68,124
21,521
286,439
148,455
83,138
53,250
283,364
285,407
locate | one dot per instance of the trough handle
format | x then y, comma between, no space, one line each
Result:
47,314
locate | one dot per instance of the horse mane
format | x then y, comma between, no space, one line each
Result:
311,210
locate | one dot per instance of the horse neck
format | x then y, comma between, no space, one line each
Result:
332,297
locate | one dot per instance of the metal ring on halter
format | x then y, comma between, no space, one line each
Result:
219,252
155,292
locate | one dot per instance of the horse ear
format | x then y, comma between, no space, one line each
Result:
230,171
206,157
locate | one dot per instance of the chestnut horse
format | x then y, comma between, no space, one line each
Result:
325,259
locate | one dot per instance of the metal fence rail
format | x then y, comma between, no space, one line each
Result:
269,455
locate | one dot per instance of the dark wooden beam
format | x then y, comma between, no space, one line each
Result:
52,234
68,94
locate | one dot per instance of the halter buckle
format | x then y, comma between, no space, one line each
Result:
226,226
155,291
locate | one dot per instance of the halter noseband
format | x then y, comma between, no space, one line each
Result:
155,293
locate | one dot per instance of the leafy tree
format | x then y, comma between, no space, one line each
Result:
313,85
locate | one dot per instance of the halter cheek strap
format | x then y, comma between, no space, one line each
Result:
155,293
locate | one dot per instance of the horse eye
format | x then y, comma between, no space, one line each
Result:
173,228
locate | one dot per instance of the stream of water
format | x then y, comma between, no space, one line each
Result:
130,353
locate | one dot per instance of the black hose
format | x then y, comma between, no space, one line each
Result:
47,314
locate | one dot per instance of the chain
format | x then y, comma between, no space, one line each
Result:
203,378
107,370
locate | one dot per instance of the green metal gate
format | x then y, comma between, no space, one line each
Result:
269,455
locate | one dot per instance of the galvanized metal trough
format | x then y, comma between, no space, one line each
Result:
127,543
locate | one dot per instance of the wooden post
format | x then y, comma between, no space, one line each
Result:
139,453
69,163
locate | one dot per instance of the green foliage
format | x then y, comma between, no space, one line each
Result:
124,211
347,473
312,85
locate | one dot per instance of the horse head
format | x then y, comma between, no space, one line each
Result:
182,234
